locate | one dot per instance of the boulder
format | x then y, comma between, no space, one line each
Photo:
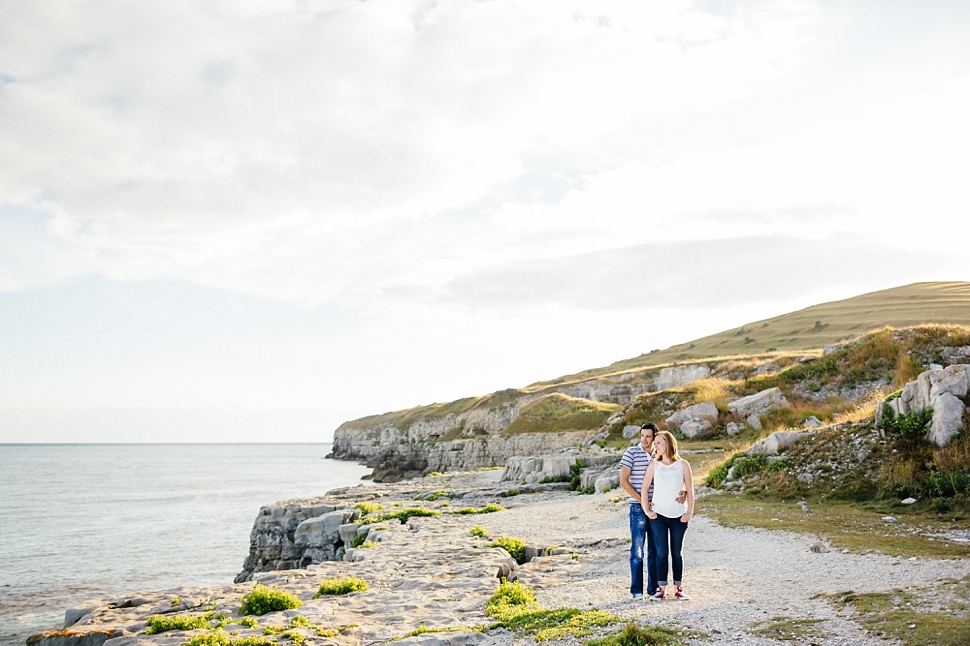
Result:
68,637
733,428
674,376
535,469
348,532
322,530
939,390
948,412
631,431
703,411
607,483
754,421
956,355
812,422
777,441
758,403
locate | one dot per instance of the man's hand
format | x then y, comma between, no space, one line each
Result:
682,496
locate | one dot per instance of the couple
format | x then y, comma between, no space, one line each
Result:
654,466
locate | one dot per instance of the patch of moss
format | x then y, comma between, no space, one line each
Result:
940,615
401,515
268,599
635,635
558,412
802,630
340,586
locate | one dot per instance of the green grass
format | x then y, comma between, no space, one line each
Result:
368,507
162,623
402,515
915,616
268,599
479,531
487,509
843,525
340,586
421,630
634,635
514,607
943,303
803,631
222,638
558,412
514,546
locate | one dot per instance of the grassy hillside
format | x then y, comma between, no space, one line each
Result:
813,327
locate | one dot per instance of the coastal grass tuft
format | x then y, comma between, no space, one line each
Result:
915,617
479,531
514,546
341,585
402,515
801,630
490,508
514,606
268,599
634,635
421,630
222,638
368,507
369,544
162,623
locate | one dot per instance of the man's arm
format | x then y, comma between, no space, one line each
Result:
625,483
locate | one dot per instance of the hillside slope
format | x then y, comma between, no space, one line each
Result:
945,303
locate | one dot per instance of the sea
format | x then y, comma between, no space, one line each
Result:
97,521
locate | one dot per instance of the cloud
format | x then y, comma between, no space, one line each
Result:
700,274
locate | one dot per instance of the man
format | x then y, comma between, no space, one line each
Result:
633,466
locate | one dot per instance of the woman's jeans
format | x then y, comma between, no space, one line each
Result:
640,534
668,534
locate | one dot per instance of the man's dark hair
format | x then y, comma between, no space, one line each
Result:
650,425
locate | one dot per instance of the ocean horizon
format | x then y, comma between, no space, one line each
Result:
88,521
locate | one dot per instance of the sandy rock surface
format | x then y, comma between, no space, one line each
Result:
434,572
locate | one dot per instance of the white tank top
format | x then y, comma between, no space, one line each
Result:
668,481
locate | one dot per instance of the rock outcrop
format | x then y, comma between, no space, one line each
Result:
695,421
778,441
940,390
679,375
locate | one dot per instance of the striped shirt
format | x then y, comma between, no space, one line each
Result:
637,460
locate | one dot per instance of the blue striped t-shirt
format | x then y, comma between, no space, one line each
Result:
637,460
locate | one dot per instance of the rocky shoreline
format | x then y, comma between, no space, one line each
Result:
433,575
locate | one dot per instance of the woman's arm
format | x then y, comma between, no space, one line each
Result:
644,492
689,484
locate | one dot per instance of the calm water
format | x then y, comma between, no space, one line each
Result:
82,522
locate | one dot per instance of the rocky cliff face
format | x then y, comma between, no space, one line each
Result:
473,438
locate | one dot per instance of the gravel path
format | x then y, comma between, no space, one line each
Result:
735,577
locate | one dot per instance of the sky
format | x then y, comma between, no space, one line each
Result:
243,220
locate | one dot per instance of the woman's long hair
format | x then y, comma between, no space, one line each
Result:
671,453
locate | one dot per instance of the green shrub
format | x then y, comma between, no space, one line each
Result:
248,622
293,636
562,477
509,595
368,544
717,475
511,493
221,638
403,514
487,509
358,540
749,464
368,507
263,599
911,424
162,623
634,635
479,531
341,585
512,545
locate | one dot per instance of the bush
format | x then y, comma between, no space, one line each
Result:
263,599
487,509
161,623
509,595
514,546
479,531
634,635
341,585
911,424
403,514
717,475
358,540
368,507
221,638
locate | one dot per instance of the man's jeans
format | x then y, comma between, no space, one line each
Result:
639,534
668,535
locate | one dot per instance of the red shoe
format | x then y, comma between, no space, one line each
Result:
680,594
659,594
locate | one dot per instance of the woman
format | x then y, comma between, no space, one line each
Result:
669,475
